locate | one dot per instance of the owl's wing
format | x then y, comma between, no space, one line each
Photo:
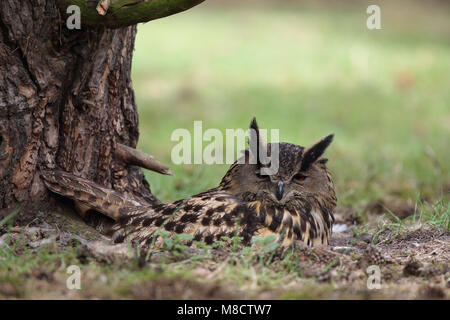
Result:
208,217
215,214
90,194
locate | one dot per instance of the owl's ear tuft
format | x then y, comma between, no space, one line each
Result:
254,124
255,142
254,133
315,152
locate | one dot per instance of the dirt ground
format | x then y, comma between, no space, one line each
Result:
413,263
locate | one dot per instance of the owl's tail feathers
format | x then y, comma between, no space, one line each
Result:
88,193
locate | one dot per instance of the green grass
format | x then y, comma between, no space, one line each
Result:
427,215
308,70
244,267
438,214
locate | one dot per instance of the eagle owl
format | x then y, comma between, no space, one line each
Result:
294,203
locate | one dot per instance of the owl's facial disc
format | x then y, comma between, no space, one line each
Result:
300,172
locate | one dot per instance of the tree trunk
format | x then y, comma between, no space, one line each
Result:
66,101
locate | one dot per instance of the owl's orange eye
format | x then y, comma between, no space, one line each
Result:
260,176
299,177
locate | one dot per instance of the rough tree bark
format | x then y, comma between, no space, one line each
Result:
66,98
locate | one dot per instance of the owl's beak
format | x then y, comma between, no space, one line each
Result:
280,190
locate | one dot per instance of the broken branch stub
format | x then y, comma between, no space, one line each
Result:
138,158
123,13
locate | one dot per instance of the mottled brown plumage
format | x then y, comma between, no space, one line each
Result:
295,203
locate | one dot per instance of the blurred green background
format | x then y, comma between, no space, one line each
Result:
308,68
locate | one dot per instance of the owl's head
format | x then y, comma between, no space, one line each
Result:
301,172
